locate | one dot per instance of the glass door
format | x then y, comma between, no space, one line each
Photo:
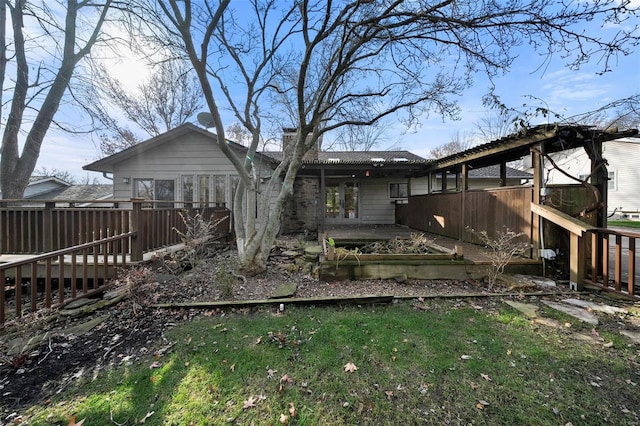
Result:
342,202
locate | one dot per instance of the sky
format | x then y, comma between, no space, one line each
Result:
563,91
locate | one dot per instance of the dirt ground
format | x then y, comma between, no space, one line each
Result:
133,329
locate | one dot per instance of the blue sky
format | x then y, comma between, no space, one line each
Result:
564,91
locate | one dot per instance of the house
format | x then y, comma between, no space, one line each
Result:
185,165
40,186
622,156
78,195
486,177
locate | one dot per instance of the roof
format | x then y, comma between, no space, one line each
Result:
35,180
554,137
106,164
78,192
358,157
494,172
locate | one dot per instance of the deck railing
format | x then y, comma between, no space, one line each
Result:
26,229
88,273
613,260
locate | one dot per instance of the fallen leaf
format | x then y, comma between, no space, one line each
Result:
389,394
251,402
156,364
286,379
258,340
292,409
350,367
72,421
465,357
595,384
144,419
486,377
284,419
270,373
233,367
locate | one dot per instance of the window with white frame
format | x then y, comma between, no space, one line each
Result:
613,183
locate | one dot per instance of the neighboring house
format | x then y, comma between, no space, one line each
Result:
79,195
185,165
39,186
52,188
486,177
623,158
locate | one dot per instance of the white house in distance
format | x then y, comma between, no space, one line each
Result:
623,158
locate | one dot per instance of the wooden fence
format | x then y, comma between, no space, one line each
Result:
84,247
456,214
35,230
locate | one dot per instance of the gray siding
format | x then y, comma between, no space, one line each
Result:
376,207
194,155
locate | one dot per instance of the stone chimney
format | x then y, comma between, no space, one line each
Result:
288,136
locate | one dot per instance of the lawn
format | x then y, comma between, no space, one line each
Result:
457,361
624,223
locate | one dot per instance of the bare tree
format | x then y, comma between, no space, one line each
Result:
363,138
495,125
458,143
170,97
320,64
48,39
63,175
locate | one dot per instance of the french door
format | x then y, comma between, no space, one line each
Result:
342,202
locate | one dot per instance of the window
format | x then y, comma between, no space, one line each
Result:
203,190
398,190
220,188
143,188
613,184
165,191
187,191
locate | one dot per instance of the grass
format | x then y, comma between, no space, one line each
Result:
624,223
447,362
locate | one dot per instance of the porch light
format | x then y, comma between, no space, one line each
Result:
366,173
126,180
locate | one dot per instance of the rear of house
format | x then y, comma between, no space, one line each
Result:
186,167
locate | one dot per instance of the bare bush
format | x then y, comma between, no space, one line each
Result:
505,246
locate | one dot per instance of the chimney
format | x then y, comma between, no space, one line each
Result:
288,137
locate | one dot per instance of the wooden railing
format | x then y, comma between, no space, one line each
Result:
35,230
85,266
595,269
619,273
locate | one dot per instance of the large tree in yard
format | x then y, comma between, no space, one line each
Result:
41,44
318,66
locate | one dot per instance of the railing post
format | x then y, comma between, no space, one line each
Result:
137,241
47,228
577,261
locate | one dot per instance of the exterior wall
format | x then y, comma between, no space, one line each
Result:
301,213
193,155
623,158
376,206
